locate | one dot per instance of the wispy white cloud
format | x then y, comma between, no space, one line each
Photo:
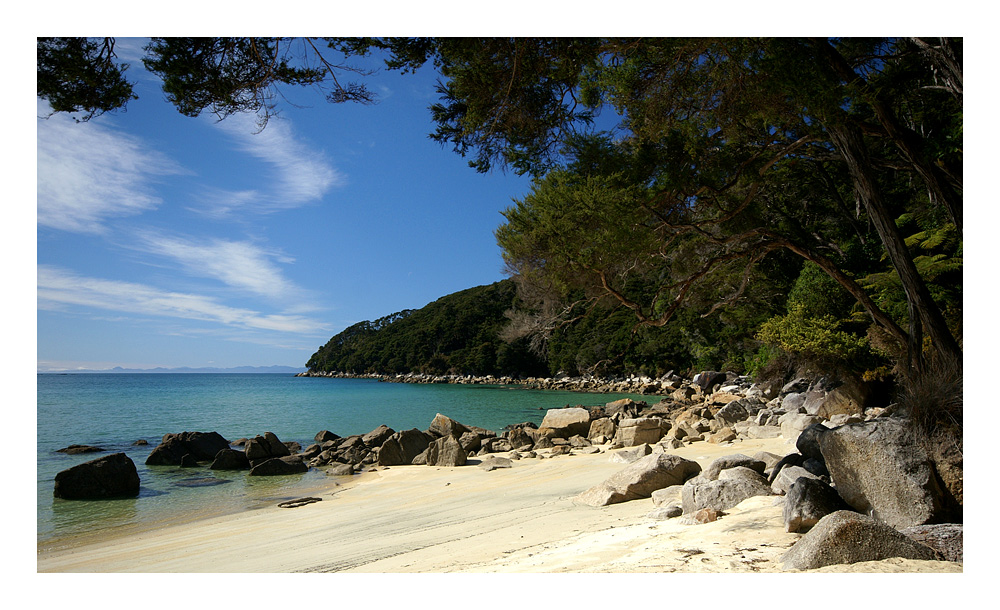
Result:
301,174
242,265
88,173
60,288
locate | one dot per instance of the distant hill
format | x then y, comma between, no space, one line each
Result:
458,333
284,370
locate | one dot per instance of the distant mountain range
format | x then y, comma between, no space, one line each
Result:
285,370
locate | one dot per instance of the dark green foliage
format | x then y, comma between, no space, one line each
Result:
457,334
80,75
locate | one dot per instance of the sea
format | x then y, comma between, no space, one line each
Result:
115,410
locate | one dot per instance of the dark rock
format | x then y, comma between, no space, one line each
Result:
880,469
792,459
293,447
77,449
325,435
201,446
278,466
298,502
519,437
230,459
471,442
846,537
376,437
443,425
259,449
707,379
807,501
111,476
808,442
446,451
140,443
945,538
402,447
188,461
341,470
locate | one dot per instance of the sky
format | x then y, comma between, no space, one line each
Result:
168,241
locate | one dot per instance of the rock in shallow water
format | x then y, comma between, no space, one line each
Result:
111,476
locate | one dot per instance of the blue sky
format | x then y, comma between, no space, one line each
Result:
165,240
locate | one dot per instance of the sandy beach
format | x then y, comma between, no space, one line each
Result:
421,519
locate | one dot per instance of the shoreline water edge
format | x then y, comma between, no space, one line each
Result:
717,455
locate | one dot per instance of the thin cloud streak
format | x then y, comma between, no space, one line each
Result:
58,288
239,264
88,174
302,175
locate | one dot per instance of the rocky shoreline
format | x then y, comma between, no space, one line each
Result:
856,470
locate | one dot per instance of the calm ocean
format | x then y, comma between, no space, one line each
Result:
112,411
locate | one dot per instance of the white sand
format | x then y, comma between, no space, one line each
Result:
429,519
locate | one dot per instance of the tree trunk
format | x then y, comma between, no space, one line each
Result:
922,308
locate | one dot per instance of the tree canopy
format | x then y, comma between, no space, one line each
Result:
806,190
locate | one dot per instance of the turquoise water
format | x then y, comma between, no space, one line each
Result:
112,411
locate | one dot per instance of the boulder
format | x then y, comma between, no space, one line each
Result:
340,470
845,537
638,431
471,442
738,484
807,501
494,463
738,410
402,447
667,496
278,466
110,476
78,449
567,422
793,424
808,441
880,469
446,451
945,538
519,437
731,461
325,435
202,446
706,379
627,456
724,435
262,448
784,479
828,398
640,479
230,459
376,437
442,425
603,427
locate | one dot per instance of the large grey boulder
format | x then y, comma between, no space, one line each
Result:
807,501
201,446
828,398
603,427
739,410
880,469
442,425
640,479
784,478
845,537
111,476
446,451
565,422
734,485
731,461
402,447
793,424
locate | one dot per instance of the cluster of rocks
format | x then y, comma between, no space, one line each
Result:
858,485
